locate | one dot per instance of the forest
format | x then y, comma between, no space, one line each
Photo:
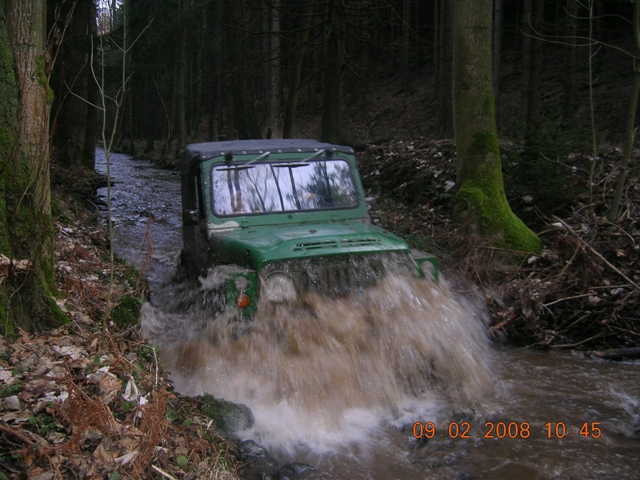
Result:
410,84
222,70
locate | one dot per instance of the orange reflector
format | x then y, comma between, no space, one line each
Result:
243,300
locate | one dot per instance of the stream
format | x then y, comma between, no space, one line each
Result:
492,412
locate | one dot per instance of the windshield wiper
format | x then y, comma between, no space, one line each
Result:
233,168
289,165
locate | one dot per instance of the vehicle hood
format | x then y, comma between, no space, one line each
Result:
253,247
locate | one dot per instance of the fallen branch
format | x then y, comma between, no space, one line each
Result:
617,353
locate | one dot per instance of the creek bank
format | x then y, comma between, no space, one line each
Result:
89,401
581,291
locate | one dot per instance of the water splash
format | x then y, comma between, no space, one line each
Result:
323,372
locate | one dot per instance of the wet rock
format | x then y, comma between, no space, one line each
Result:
293,471
260,469
229,417
258,464
250,451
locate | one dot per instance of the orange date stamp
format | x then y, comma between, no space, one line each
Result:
503,430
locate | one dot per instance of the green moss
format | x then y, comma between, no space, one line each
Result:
25,300
58,316
485,143
43,80
481,204
229,417
489,107
127,312
484,207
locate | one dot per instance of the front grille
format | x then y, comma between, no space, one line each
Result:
336,276
360,242
314,245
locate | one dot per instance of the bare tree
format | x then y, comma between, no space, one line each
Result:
612,215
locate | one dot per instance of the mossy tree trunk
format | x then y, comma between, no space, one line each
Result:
26,231
481,203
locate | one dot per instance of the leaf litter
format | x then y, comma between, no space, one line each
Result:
70,408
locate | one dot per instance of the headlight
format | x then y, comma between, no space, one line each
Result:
428,270
241,283
279,288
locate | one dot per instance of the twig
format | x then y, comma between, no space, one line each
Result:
570,345
567,298
40,448
163,473
155,358
597,254
505,323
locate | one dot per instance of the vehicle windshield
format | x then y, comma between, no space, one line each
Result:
285,186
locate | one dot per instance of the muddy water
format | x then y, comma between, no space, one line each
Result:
341,384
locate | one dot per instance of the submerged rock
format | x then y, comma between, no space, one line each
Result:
251,451
229,417
293,471
258,462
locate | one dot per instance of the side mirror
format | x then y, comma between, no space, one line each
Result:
371,202
190,217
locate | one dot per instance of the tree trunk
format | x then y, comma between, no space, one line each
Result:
444,69
26,231
481,204
332,102
92,128
182,86
219,63
274,60
569,78
406,50
612,215
436,46
296,73
526,61
497,55
534,97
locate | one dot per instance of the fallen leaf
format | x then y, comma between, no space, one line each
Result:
11,403
127,458
131,391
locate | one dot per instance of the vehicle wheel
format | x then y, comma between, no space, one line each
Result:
187,269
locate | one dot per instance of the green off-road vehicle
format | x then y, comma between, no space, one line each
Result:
277,218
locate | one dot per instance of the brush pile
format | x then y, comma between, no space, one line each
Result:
582,291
